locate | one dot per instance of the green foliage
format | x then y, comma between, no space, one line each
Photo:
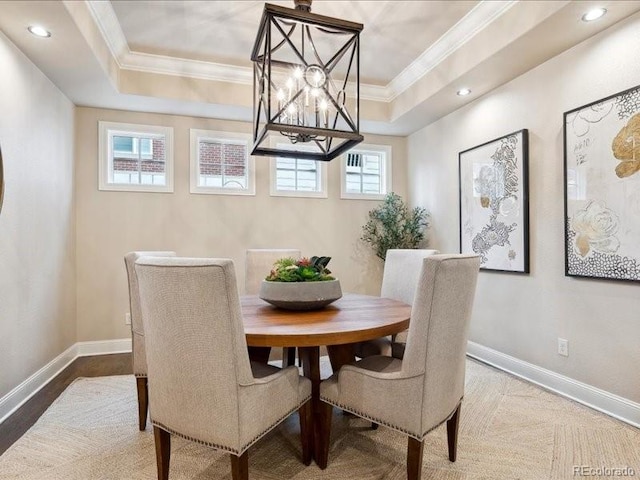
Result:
312,269
393,225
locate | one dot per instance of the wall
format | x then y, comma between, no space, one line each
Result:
37,235
523,315
109,224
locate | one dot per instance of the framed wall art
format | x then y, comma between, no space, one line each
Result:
602,188
1,181
494,203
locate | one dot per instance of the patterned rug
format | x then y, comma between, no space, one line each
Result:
509,430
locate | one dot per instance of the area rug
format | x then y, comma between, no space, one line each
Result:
509,430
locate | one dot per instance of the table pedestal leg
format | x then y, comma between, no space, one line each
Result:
288,356
340,355
259,354
311,367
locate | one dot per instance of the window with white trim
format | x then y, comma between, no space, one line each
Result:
366,172
221,164
297,177
136,158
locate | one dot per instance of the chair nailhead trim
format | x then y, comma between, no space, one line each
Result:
140,375
387,424
228,449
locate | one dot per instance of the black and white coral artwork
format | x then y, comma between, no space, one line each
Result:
494,207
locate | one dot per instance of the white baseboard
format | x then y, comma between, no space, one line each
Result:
104,347
27,389
605,402
613,405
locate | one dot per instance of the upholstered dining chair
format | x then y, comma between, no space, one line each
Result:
138,355
399,279
424,389
202,385
258,264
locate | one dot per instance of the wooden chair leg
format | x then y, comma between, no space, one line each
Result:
324,434
306,432
143,401
414,459
452,434
240,466
163,452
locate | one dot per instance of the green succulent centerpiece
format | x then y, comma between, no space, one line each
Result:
289,269
303,284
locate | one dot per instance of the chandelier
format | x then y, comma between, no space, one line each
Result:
306,84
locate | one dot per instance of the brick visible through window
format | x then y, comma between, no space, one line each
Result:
135,157
220,163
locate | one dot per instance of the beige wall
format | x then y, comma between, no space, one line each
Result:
37,266
109,224
524,315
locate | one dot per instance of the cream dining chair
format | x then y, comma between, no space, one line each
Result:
258,264
138,355
399,279
424,389
202,385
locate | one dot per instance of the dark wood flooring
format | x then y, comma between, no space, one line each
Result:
97,366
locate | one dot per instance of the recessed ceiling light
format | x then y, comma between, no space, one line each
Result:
39,31
594,14
463,92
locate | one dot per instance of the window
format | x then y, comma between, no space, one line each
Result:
220,163
136,158
132,147
366,172
296,177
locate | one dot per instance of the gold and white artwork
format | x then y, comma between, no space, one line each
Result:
602,184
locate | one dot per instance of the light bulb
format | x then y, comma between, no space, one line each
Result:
297,73
594,14
289,83
291,109
39,31
315,92
280,95
463,92
323,104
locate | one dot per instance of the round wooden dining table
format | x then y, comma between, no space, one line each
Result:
351,319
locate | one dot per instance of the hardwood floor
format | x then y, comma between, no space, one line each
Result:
97,366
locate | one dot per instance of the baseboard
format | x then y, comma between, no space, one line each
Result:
27,389
605,402
104,347
608,403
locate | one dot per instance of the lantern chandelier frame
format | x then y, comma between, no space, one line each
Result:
308,97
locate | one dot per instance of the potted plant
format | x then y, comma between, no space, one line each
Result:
304,284
394,225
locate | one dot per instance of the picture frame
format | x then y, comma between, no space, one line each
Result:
1,181
602,188
494,202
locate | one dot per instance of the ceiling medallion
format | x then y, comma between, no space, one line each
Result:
306,84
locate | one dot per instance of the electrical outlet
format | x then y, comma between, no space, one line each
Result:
563,347
127,318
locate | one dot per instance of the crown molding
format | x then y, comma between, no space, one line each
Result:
479,17
466,28
107,21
